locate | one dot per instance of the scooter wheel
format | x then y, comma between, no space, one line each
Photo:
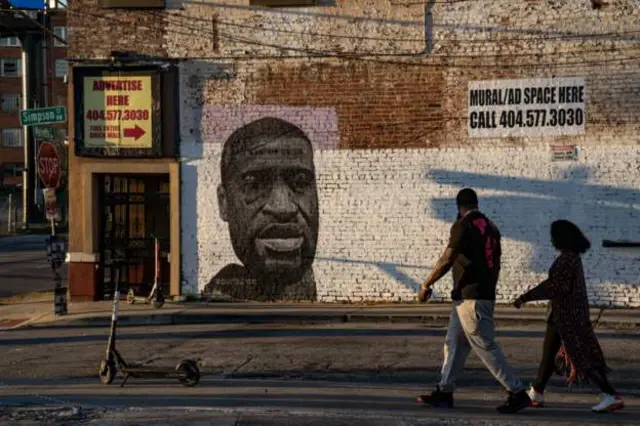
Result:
189,373
107,371
131,297
157,302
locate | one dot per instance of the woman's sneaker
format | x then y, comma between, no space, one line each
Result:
537,399
608,403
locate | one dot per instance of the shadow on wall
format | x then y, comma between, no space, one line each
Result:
393,270
529,206
193,79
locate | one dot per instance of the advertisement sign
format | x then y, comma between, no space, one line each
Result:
118,112
564,152
527,107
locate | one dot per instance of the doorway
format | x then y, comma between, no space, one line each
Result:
135,209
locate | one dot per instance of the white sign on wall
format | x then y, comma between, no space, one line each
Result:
527,107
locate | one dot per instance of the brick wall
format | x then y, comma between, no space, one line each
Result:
398,120
95,32
13,85
10,120
385,213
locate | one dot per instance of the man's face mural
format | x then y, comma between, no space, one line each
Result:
269,198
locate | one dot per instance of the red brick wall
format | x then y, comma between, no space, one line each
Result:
95,32
12,85
10,120
407,114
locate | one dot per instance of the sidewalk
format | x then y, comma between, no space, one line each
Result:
269,403
38,311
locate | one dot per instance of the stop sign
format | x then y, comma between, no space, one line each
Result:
49,165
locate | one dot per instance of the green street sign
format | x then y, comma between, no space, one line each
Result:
43,133
34,117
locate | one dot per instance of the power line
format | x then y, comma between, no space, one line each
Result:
369,56
369,19
414,54
307,50
36,23
564,37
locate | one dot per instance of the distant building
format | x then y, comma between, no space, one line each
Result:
11,69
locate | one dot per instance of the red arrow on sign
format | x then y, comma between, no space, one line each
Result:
134,132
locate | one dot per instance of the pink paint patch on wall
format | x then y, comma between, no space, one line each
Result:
319,124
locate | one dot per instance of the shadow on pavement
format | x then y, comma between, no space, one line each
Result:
265,333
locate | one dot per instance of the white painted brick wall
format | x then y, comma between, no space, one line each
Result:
385,214
385,217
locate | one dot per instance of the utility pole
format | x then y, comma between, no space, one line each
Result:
48,49
33,28
27,42
33,70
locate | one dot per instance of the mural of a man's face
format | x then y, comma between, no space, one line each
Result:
269,198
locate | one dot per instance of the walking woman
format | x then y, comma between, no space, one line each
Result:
570,337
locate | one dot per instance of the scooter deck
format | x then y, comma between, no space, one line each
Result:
146,370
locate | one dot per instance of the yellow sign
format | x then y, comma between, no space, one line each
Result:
118,112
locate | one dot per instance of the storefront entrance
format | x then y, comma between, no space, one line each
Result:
134,210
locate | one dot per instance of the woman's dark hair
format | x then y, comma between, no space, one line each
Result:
566,236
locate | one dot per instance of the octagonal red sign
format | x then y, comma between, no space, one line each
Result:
49,165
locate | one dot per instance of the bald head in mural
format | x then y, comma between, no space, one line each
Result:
268,197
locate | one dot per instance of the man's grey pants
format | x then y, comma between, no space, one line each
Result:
471,326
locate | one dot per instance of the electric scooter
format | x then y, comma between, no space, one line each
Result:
156,297
187,371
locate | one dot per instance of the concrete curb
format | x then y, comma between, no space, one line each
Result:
188,318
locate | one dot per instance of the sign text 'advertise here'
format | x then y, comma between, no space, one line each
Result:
527,107
118,112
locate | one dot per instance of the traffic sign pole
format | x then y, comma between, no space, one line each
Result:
48,166
27,172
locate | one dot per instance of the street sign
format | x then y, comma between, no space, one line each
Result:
49,165
51,204
41,133
37,116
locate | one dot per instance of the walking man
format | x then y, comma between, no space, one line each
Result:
473,254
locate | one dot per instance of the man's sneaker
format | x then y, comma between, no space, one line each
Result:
608,403
515,402
437,398
537,398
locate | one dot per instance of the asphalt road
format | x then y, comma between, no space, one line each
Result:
285,374
24,267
